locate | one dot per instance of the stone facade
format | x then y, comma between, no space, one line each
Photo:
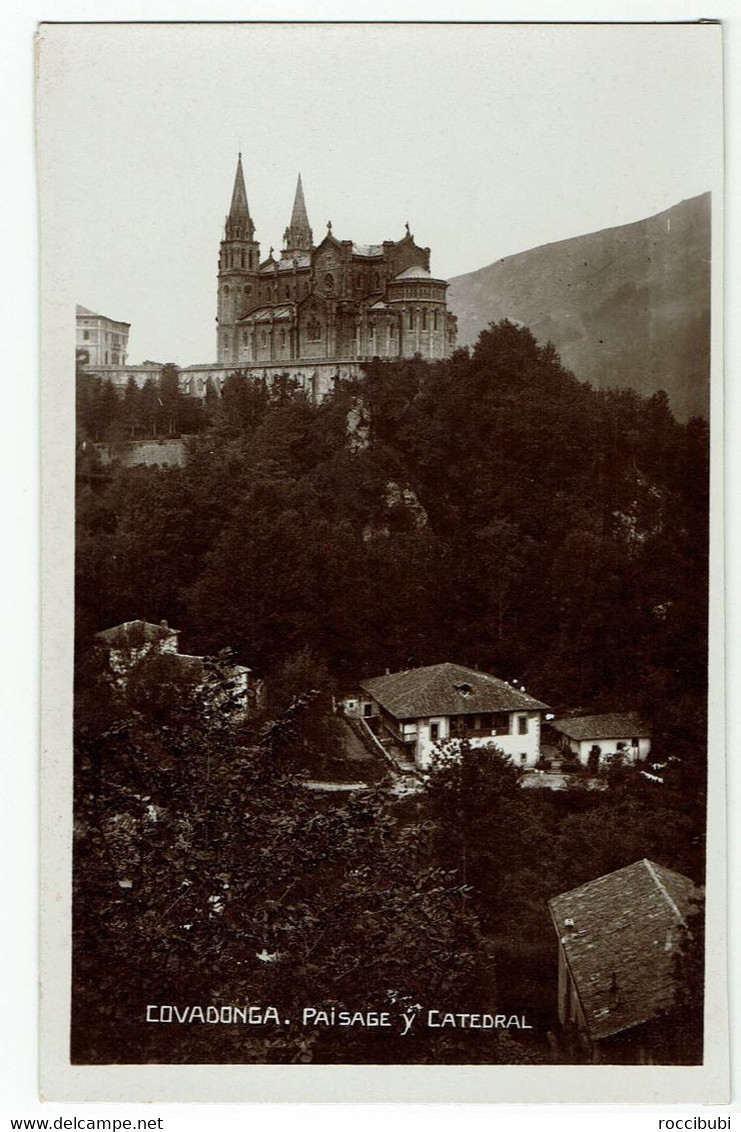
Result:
101,341
337,300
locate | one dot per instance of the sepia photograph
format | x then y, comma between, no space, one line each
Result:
382,437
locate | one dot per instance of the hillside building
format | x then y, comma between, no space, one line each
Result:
595,739
421,707
334,300
619,937
100,341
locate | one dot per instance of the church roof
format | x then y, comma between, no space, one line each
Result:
620,935
446,689
239,208
367,250
267,314
299,218
303,259
414,272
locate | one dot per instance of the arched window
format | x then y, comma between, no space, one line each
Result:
241,258
250,260
411,320
424,319
226,289
434,321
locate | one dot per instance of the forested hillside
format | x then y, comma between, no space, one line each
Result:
490,510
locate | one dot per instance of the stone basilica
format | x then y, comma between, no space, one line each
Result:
334,301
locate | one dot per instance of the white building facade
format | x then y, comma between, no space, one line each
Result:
423,707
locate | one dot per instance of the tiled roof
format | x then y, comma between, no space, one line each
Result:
446,689
615,725
620,934
135,632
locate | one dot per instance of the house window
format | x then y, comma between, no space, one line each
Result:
434,732
500,722
226,289
486,723
522,725
264,338
634,742
424,320
434,321
523,756
241,257
367,709
86,335
411,320
313,329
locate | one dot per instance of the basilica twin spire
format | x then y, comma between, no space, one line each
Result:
298,236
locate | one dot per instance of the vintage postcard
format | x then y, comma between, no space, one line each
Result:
383,730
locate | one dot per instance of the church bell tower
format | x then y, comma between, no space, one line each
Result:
239,266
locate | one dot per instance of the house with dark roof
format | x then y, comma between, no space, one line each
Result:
594,739
133,643
618,940
424,706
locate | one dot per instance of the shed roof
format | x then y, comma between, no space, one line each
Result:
614,725
620,935
446,689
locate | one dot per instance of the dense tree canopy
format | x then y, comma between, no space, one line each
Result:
489,509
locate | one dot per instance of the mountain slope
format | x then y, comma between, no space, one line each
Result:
627,306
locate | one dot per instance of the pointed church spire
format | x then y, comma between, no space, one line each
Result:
299,235
239,223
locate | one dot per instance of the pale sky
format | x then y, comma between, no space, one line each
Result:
487,139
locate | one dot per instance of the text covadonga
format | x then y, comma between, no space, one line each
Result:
312,1016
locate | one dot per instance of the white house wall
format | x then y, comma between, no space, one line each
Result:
524,750
609,748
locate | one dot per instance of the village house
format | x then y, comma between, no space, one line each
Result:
424,706
594,739
619,937
133,642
